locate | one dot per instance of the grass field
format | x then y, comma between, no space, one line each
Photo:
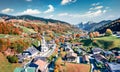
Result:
5,66
2,35
71,67
107,42
27,30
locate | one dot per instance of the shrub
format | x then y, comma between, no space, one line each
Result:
12,59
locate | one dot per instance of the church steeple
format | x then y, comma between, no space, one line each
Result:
43,44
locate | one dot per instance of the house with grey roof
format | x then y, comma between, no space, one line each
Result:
30,52
97,50
113,67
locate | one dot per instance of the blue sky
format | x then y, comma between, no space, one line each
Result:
72,11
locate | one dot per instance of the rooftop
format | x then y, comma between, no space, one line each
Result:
97,49
71,54
28,69
114,66
42,64
32,50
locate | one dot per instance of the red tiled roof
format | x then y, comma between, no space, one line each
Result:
118,57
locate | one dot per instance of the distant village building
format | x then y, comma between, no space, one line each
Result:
118,59
67,47
30,52
113,67
99,58
85,59
96,50
71,57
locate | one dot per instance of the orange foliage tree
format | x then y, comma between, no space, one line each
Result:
91,35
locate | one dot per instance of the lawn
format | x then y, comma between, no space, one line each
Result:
107,42
71,67
5,66
2,35
27,30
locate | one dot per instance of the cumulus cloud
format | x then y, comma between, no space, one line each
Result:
64,2
30,12
88,14
7,10
50,9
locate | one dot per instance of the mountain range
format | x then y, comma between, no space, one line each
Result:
91,26
29,17
113,25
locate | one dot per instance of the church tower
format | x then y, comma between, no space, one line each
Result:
44,47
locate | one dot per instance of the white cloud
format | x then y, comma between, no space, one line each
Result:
85,15
95,4
99,7
64,2
7,10
104,11
51,9
28,0
63,14
96,8
30,12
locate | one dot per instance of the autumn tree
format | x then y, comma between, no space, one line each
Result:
97,34
56,69
91,35
77,35
108,32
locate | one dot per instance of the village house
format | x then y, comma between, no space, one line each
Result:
40,64
113,67
97,50
99,58
108,53
118,59
67,47
30,52
85,59
76,44
71,57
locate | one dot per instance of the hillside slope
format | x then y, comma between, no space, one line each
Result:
29,17
114,26
91,26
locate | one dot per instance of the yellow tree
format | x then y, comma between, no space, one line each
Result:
108,32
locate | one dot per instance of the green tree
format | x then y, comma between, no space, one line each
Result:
12,59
